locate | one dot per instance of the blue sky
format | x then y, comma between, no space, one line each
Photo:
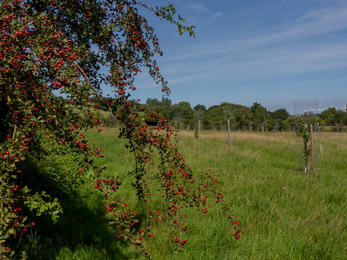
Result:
272,52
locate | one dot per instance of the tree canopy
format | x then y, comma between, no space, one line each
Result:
66,46
279,114
331,116
183,110
199,107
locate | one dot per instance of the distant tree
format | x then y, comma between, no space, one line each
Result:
237,114
290,122
258,109
227,104
218,119
260,114
247,113
328,115
243,115
270,124
199,107
182,108
153,102
281,125
213,112
255,107
166,102
279,114
228,110
340,117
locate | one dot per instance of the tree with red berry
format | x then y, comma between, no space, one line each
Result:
48,45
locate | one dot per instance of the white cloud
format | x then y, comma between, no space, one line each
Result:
202,9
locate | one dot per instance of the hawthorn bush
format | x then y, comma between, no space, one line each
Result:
48,45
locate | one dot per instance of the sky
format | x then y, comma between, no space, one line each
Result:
272,52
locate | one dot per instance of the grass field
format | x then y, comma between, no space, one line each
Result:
286,214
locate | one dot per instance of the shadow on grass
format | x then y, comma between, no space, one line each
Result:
81,232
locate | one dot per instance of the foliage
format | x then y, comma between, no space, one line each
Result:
166,105
182,108
149,117
290,121
62,45
153,102
279,114
258,109
303,130
196,131
331,116
305,134
163,105
199,107
213,112
260,114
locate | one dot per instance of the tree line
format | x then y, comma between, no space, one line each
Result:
240,117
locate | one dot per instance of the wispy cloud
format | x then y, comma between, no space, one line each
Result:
316,23
288,48
313,23
202,9
280,61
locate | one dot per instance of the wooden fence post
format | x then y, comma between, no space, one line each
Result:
312,150
306,158
229,133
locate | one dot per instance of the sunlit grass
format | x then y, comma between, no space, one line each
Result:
286,214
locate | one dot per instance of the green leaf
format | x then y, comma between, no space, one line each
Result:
55,212
11,231
181,30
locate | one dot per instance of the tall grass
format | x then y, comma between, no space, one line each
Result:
286,214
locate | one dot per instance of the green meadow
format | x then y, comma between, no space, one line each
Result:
285,213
